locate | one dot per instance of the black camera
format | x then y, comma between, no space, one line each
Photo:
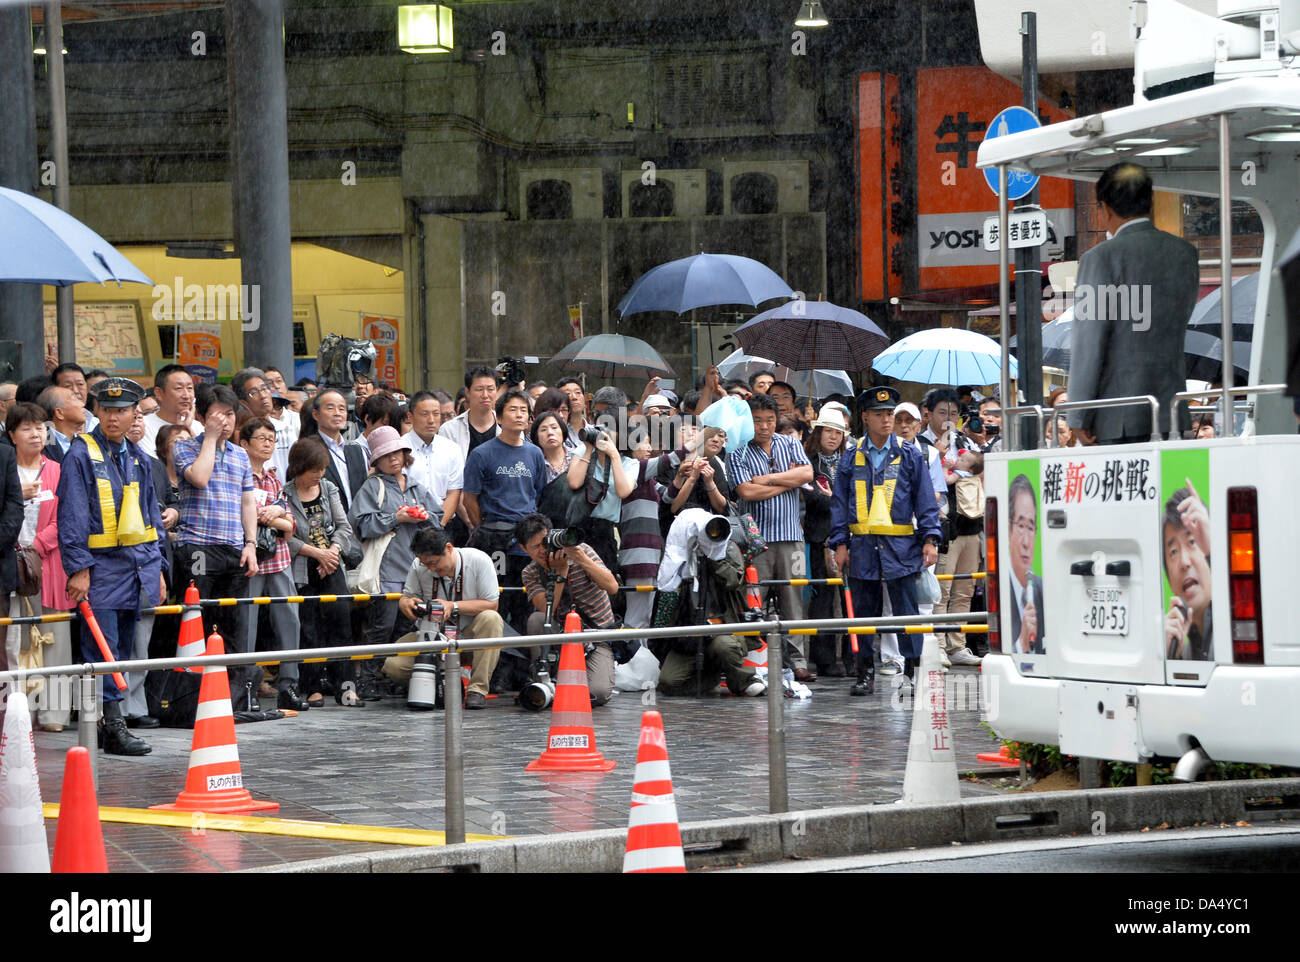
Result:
433,610
557,539
589,433
512,369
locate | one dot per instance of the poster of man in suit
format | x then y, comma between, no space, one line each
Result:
1185,550
1028,631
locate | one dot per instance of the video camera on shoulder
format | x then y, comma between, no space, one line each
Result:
512,368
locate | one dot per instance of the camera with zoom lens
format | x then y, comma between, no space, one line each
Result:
590,433
433,610
557,539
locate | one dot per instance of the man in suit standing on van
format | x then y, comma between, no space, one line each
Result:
1134,295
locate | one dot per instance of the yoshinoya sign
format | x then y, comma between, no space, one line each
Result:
958,239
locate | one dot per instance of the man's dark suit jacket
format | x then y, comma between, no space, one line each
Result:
357,470
1035,588
1116,353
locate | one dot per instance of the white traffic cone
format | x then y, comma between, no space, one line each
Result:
931,774
22,817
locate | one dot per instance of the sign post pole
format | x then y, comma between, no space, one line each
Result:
1029,271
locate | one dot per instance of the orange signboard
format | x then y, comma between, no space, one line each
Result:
954,106
198,350
383,332
881,214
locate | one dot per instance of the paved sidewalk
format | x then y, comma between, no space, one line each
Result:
383,765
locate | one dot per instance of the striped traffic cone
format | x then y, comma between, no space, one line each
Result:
190,642
215,782
22,817
654,842
756,658
571,744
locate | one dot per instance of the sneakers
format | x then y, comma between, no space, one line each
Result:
756,687
475,700
891,668
963,656
944,660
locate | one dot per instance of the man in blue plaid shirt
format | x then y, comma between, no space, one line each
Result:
767,474
217,533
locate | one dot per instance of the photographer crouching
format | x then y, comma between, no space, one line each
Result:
567,573
455,589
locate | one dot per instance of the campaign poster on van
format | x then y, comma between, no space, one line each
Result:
1025,559
1185,554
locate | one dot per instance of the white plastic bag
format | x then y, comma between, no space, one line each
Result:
641,673
928,591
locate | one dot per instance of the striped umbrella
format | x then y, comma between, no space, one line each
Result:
1203,344
612,355
807,335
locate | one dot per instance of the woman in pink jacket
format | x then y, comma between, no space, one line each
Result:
40,477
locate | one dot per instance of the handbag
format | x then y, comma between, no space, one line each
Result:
566,507
33,656
29,571
745,533
372,556
268,542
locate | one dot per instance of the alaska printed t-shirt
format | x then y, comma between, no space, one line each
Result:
507,479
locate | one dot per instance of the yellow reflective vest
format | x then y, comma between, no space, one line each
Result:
880,519
124,527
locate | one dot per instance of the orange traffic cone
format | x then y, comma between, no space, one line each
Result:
753,600
215,782
1001,757
571,744
654,842
756,658
79,840
190,642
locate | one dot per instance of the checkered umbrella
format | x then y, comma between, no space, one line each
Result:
806,335
613,355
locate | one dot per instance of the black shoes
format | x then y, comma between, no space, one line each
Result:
142,721
474,700
866,683
289,698
114,737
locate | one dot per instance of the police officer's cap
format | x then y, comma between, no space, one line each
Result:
117,392
878,399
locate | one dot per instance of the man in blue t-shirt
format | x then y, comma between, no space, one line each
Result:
504,478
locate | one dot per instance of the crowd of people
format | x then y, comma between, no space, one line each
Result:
499,508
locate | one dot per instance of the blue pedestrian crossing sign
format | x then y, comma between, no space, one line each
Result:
1013,120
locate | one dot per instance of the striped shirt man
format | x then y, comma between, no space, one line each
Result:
777,517
589,598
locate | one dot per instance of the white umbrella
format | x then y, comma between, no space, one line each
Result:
818,384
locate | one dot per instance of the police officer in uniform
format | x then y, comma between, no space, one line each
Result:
879,489
109,530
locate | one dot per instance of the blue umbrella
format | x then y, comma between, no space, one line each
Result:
944,355
703,280
44,245
806,335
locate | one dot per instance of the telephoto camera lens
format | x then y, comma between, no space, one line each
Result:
589,433
422,694
538,694
717,529
557,539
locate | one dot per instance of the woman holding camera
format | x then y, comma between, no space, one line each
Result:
322,547
608,469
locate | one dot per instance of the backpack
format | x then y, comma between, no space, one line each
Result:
970,497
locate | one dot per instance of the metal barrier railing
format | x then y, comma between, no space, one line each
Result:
451,650
1186,397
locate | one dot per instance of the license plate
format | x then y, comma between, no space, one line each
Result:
1106,612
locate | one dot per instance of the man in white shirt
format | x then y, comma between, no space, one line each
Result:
174,389
439,466
478,423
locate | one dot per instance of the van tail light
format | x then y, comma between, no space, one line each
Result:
1243,576
992,584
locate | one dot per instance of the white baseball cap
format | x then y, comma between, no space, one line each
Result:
908,407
